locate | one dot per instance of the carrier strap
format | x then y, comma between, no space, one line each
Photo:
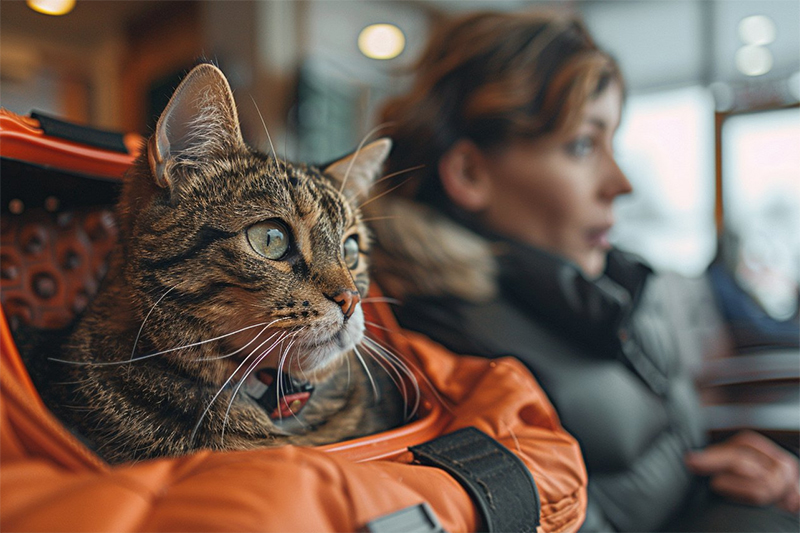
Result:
498,481
107,140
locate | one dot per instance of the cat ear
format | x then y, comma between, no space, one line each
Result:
199,120
357,172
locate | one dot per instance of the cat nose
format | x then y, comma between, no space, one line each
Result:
347,301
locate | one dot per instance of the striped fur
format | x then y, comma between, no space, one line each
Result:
184,277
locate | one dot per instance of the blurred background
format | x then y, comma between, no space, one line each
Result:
710,136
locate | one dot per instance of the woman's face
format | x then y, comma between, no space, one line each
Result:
556,192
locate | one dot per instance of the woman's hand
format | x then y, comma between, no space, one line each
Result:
751,469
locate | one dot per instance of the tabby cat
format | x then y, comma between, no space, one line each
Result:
231,316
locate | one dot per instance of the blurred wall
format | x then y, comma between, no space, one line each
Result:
301,82
104,45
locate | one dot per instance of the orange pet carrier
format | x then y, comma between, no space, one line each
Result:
59,182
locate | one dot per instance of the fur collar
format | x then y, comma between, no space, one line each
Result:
421,252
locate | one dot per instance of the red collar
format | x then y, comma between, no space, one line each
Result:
282,401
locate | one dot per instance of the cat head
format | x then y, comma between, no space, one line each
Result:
224,242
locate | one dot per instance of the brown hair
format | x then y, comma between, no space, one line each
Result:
491,77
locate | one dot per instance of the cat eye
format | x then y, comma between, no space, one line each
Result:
350,252
269,239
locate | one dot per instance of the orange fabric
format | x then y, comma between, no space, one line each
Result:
50,482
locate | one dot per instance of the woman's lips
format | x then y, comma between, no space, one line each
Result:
598,237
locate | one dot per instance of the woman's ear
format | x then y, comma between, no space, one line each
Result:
466,176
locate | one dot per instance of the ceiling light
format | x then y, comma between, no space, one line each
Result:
52,7
381,41
757,29
753,60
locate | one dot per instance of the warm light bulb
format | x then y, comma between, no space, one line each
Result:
52,7
381,41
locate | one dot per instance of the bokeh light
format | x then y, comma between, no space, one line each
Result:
52,7
757,29
381,41
753,60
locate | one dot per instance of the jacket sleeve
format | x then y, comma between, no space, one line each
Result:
502,399
47,487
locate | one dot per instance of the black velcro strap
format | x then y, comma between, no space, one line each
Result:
498,481
107,140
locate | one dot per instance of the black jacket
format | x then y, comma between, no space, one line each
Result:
606,353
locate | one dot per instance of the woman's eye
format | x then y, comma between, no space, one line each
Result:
350,252
270,239
581,147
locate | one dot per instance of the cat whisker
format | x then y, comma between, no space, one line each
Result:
398,173
513,436
398,361
155,354
358,150
375,394
408,366
300,364
256,361
222,388
279,387
378,359
403,374
263,123
286,152
347,362
378,326
394,374
390,176
381,299
136,341
269,138
418,373
281,362
384,193
78,408
73,382
372,219
243,348
220,337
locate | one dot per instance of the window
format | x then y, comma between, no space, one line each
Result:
665,145
761,199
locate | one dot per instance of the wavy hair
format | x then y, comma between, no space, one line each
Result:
491,77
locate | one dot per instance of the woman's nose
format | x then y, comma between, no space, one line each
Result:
615,182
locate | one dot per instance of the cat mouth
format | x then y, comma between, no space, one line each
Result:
278,393
282,385
282,390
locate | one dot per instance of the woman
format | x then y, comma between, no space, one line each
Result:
499,246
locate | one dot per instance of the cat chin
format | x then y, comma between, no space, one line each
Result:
320,355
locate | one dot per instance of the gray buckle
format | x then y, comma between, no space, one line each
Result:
414,519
